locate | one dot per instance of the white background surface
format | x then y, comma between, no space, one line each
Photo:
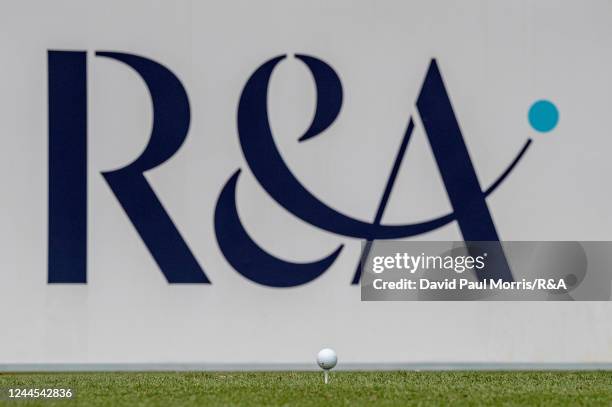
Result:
496,57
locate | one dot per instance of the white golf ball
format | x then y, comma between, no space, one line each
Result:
327,358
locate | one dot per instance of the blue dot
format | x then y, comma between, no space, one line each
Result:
543,116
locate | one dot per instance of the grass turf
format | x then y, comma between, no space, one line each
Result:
307,389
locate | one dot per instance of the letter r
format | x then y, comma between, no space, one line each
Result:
68,169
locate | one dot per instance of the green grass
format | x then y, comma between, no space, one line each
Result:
307,389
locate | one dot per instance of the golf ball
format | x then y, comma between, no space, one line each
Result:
327,358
